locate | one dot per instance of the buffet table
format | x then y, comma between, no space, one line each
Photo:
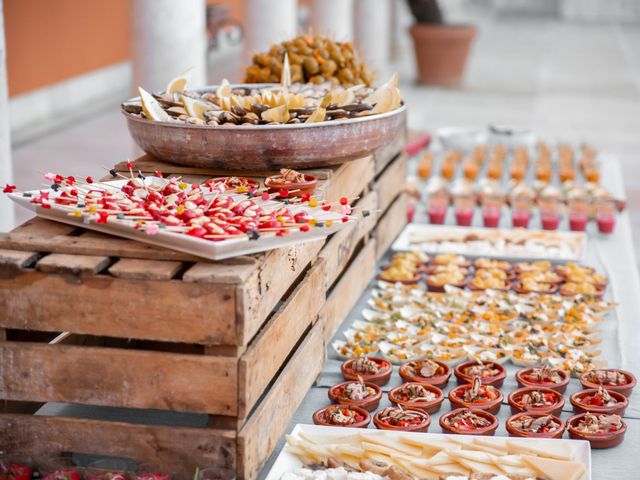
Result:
612,255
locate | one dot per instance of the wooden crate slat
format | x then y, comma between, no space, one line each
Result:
339,249
219,272
269,282
17,259
72,264
391,182
391,224
174,311
260,435
348,289
40,226
268,351
349,180
90,243
144,269
182,448
118,377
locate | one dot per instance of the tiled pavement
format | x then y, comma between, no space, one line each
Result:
567,81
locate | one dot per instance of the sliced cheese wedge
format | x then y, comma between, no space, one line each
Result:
556,469
392,443
548,449
495,443
418,471
488,450
511,470
479,467
451,468
440,458
473,456
430,444
513,460
323,438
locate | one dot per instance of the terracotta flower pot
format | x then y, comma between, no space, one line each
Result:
441,52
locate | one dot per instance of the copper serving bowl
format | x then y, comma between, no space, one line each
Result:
265,147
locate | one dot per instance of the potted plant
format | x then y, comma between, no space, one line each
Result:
441,50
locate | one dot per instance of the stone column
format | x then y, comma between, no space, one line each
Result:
6,170
168,37
372,25
269,22
333,18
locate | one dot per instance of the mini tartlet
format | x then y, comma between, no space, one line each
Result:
467,421
599,400
535,425
536,400
370,369
490,373
432,372
400,419
353,393
437,281
419,396
341,416
544,377
476,396
610,378
600,430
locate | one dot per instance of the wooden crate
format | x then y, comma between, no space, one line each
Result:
238,341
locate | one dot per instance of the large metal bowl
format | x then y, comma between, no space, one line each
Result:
265,147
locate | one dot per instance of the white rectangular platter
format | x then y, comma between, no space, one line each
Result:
212,250
287,462
507,244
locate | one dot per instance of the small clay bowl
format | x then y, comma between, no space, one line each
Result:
555,409
439,381
422,427
379,379
423,405
558,387
276,183
605,440
494,380
622,389
491,406
486,431
579,407
364,423
369,404
250,182
515,286
514,432
440,288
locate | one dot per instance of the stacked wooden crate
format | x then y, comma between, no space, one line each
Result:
93,320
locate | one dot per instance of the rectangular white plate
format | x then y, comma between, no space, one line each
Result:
287,462
183,243
574,244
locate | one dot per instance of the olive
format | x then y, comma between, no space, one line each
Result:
323,52
328,67
261,59
311,66
317,79
333,80
264,75
295,59
296,73
306,51
345,75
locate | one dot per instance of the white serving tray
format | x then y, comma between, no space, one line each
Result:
287,462
576,242
184,243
